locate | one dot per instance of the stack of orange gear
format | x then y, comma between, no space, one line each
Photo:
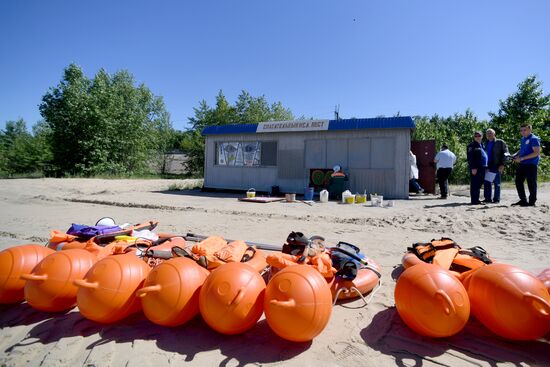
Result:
315,256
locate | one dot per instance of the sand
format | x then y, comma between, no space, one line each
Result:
363,336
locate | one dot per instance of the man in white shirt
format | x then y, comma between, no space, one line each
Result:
445,160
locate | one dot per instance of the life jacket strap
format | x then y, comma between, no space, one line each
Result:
477,252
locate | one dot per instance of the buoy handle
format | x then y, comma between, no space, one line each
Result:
290,303
142,292
450,307
34,276
239,297
539,303
85,284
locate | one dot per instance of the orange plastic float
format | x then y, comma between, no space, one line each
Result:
431,301
15,261
107,292
365,281
170,294
544,277
231,298
510,302
50,284
298,303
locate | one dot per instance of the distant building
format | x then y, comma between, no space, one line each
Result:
373,152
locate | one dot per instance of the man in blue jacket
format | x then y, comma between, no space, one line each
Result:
477,162
528,159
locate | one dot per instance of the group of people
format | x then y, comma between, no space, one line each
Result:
486,163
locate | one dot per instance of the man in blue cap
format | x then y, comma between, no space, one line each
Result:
528,159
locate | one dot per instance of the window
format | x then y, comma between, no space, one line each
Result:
246,154
269,153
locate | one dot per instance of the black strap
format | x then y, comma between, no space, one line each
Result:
478,252
247,257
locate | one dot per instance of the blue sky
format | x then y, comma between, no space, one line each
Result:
371,57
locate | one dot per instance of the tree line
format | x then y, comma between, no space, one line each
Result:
109,125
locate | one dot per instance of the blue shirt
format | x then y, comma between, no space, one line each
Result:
526,148
489,149
484,158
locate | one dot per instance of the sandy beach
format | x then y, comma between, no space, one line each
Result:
361,336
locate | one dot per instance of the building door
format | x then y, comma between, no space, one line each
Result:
424,150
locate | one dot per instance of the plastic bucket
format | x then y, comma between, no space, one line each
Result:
290,197
251,193
308,193
359,199
350,199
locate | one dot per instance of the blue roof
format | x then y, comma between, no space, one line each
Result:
401,122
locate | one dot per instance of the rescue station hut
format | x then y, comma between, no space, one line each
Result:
373,152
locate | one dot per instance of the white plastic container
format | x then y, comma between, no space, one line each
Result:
323,196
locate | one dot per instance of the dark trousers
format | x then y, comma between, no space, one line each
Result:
414,186
529,172
488,186
476,181
443,179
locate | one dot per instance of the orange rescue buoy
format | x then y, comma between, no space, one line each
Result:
50,284
170,294
15,261
298,303
107,292
544,277
431,301
231,298
510,302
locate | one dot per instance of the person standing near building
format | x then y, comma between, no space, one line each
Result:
528,159
496,150
444,160
477,162
414,186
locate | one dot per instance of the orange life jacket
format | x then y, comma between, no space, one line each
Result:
447,254
217,251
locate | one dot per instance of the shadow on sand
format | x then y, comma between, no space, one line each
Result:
389,335
200,193
258,345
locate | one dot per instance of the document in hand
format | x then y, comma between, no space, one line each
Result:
490,176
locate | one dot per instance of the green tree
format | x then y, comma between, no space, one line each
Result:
247,109
21,152
456,131
106,125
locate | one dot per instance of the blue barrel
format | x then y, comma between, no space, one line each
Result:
308,193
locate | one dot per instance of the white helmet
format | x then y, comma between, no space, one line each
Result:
106,221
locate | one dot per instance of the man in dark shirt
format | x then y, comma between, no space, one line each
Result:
477,162
496,150
528,159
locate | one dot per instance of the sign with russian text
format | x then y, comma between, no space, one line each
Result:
289,126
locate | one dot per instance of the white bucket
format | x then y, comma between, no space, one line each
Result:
290,197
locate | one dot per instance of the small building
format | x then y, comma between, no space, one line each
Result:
373,152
